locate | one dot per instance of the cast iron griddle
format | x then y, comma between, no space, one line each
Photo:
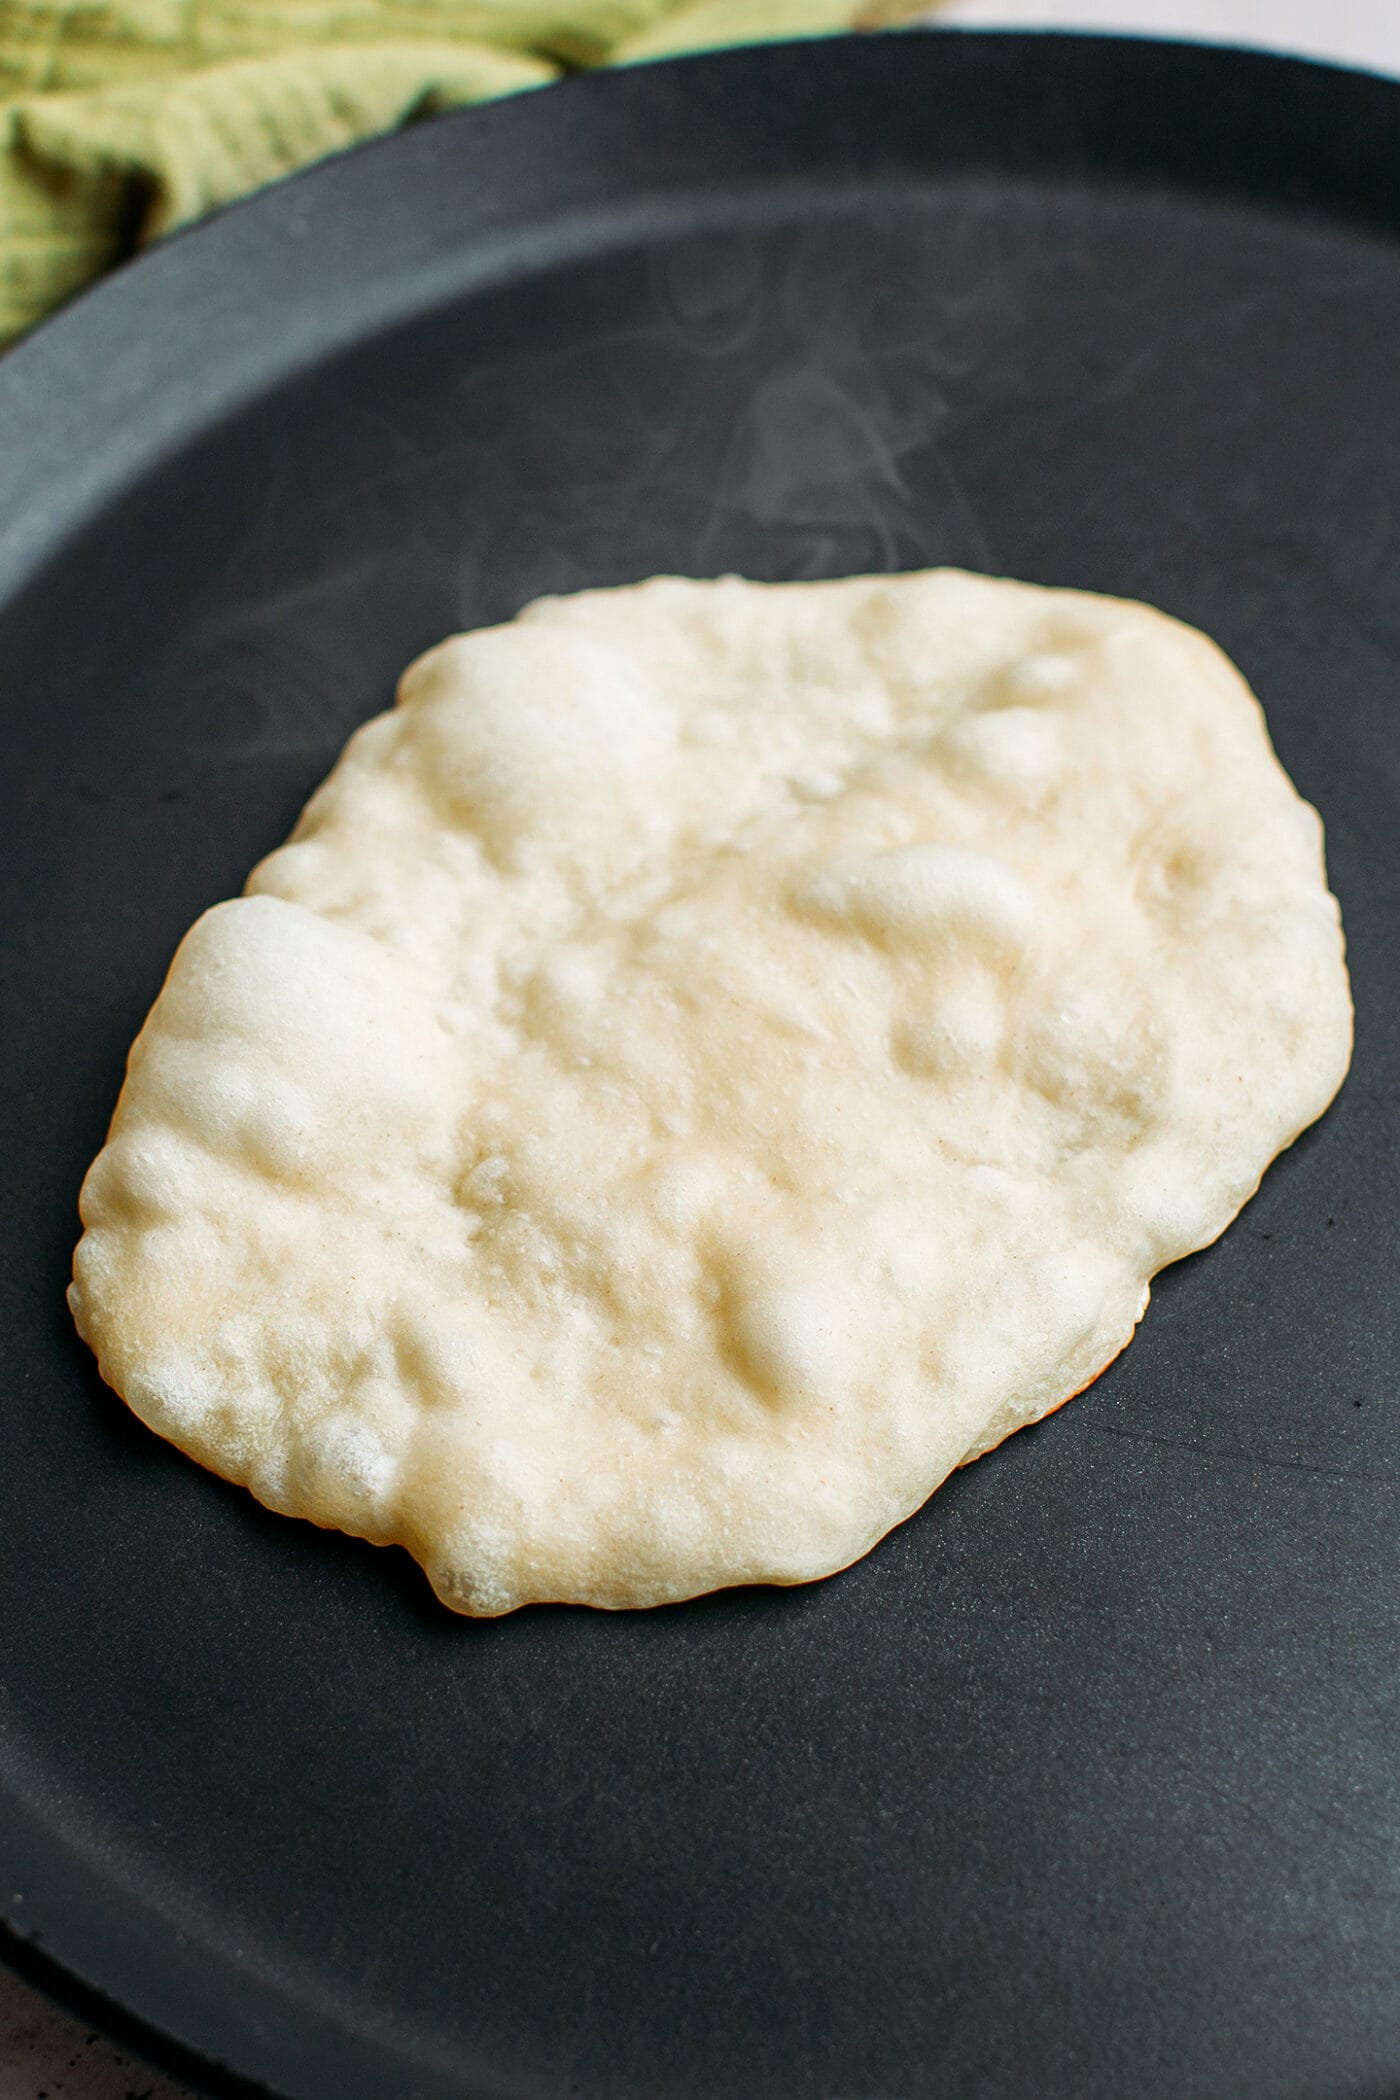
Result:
1087,1781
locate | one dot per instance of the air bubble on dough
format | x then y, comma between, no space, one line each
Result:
732,1054
928,895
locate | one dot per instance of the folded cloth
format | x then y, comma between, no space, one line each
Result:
120,119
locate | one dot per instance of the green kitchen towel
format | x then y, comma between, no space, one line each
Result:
120,119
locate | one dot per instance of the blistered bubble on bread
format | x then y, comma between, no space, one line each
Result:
713,1059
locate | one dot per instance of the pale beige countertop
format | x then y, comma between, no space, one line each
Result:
45,2055
1356,32
44,2052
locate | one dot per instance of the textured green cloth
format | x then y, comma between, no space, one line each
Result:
120,119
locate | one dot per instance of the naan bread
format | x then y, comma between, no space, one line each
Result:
714,1058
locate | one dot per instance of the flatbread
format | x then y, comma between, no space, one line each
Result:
712,1059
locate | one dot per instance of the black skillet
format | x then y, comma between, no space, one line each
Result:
1087,1782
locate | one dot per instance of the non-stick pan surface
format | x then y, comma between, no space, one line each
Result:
1086,1782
